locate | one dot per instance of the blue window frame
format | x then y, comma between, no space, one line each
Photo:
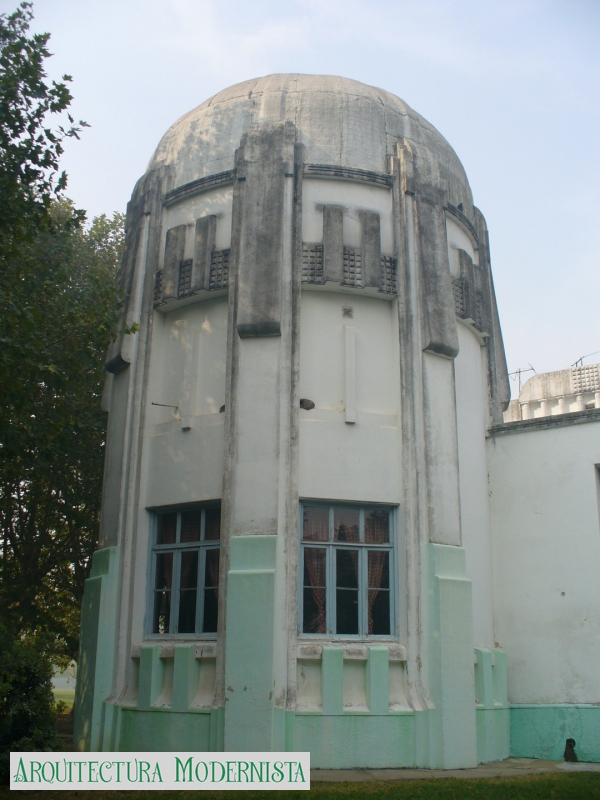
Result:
185,570
346,570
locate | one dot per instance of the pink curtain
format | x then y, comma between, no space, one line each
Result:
377,563
212,566
315,562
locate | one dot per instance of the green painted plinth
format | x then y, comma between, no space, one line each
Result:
96,650
355,740
156,731
540,731
250,722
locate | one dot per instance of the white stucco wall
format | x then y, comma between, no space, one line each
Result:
187,370
355,198
216,201
338,460
459,239
546,557
471,413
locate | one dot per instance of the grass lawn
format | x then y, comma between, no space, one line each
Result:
66,695
572,786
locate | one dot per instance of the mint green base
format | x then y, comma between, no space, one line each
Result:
451,741
492,711
251,723
97,647
349,741
469,724
540,731
156,731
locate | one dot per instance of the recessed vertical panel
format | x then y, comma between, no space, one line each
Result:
204,244
174,249
371,248
333,243
350,385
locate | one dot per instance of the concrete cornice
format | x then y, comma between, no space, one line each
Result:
543,423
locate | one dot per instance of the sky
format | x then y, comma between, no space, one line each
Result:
513,85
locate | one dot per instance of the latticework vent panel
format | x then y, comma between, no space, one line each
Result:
352,267
585,378
219,269
312,262
158,286
185,277
389,269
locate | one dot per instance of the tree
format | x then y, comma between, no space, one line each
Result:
30,148
59,307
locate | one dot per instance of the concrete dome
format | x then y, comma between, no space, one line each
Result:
340,121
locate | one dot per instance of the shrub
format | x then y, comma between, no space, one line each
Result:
27,710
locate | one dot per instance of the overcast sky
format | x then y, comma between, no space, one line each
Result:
514,85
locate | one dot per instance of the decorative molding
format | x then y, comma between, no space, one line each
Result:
464,220
199,186
585,378
335,172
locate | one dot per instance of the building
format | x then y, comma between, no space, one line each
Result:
300,546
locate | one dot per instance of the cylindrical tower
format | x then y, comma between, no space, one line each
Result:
295,523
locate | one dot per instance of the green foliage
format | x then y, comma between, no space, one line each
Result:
58,310
30,148
27,711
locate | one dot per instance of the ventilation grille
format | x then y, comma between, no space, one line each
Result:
312,262
312,267
352,267
478,314
219,269
185,277
459,297
158,287
389,270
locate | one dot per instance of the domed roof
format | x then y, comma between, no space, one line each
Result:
340,121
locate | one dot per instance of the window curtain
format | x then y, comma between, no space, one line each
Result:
377,565
315,561
212,567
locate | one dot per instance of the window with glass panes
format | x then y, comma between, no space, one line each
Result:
347,565
186,571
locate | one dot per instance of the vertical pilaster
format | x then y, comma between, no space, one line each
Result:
104,656
452,738
186,671
257,476
440,662
332,680
378,680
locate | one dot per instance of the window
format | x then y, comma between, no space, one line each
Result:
347,564
185,596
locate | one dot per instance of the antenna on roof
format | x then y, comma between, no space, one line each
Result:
579,362
519,372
